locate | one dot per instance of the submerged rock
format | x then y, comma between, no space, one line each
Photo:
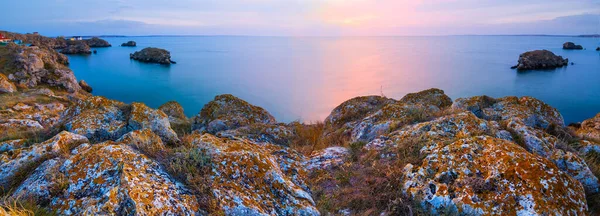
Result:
85,86
540,59
77,48
153,55
129,44
572,46
228,112
97,42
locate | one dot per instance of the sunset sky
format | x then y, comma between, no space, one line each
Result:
301,17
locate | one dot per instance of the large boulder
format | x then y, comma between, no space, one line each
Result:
173,109
97,42
77,48
540,59
6,86
32,66
153,55
430,97
141,117
572,46
85,86
590,128
257,179
30,116
228,112
129,44
484,176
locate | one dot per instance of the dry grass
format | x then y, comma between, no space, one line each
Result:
15,207
310,138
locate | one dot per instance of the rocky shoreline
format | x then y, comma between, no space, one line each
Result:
68,152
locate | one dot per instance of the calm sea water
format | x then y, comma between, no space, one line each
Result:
304,78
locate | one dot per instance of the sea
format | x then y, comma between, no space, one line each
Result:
304,78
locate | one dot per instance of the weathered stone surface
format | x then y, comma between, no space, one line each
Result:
355,109
114,179
97,118
540,59
33,66
85,86
11,145
484,175
23,117
14,161
261,133
228,112
129,44
576,167
429,97
173,109
97,42
142,117
6,86
257,179
590,128
572,46
533,112
153,55
143,140
327,158
79,47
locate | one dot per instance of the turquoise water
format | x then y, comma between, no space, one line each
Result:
304,78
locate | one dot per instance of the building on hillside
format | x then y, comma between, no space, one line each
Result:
4,39
76,38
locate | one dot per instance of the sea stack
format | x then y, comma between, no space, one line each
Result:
572,46
129,44
97,42
540,59
153,55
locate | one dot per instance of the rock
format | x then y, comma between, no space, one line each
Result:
576,167
257,179
327,158
429,97
152,55
6,86
261,133
111,178
598,49
590,129
227,112
34,66
142,117
97,42
19,160
85,86
77,48
571,46
532,112
38,40
173,109
540,59
484,175
11,145
355,109
129,44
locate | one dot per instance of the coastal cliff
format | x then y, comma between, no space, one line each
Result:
65,151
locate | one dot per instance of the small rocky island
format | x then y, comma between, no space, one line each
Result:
129,44
76,47
572,46
598,49
540,59
153,55
97,42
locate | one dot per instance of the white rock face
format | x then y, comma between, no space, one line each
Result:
327,158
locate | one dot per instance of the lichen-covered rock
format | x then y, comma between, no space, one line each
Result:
97,118
327,158
572,46
257,179
11,144
533,112
84,85
129,44
16,160
97,42
173,109
23,117
6,86
228,112
43,184
79,47
489,176
144,141
153,55
429,97
540,59
142,117
355,109
110,179
34,66
590,128
576,167
261,133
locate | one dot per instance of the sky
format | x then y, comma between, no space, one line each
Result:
301,17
